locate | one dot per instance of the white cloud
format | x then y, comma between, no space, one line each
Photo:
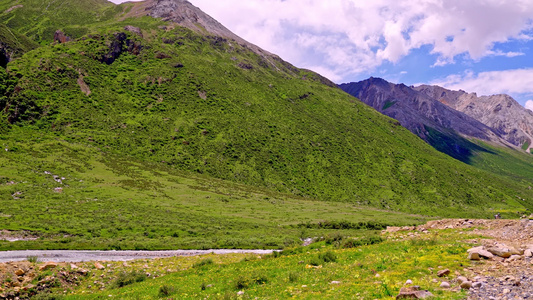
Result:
529,105
354,36
517,81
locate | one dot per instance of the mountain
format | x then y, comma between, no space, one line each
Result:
501,112
441,126
135,81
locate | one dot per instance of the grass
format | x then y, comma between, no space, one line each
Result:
111,202
368,272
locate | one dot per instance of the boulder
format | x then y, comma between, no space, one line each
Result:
413,292
19,272
466,285
474,256
528,253
61,37
48,265
481,252
501,252
514,258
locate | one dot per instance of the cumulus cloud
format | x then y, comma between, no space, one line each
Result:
517,81
353,36
529,104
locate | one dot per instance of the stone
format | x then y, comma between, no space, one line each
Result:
506,291
83,272
514,257
461,279
408,282
413,292
443,273
481,252
48,265
528,253
61,37
134,29
99,266
477,285
335,282
474,256
466,285
19,272
240,293
445,285
501,252
73,267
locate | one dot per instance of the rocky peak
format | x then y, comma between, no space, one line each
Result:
425,116
500,112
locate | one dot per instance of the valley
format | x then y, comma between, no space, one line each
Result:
149,126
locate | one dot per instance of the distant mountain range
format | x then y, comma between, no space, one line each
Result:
448,119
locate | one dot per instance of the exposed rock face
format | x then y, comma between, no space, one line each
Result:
61,37
5,55
426,117
119,44
501,112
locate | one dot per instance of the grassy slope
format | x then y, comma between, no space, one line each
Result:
112,202
276,129
205,105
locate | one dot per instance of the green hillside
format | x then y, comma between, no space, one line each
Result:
176,100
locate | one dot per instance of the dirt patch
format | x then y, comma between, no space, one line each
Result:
13,236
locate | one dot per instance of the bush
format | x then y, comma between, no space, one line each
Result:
127,278
203,262
244,281
165,291
322,258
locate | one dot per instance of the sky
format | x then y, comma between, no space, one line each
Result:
482,46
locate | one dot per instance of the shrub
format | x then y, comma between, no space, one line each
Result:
203,262
165,291
127,278
32,259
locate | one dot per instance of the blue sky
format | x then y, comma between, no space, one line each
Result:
483,46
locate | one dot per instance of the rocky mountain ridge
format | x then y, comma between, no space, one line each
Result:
434,122
501,112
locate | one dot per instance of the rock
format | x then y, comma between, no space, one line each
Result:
240,293
461,279
481,252
477,285
474,256
413,292
61,37
48,265
528,253
408,282
73,267
443,273
445,285
83,272
506,291
19,272
335,282
466,285
501,252
134,29
514,258
99,266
